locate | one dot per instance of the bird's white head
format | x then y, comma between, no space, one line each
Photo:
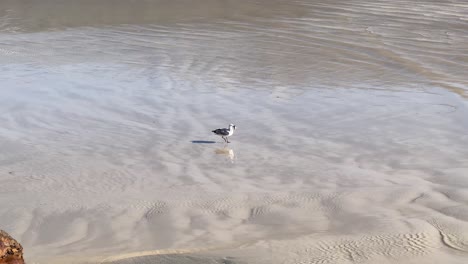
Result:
232,126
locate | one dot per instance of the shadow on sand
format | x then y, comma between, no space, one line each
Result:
202,142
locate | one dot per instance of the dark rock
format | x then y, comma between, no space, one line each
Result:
11,252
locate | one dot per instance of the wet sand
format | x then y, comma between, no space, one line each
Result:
351,147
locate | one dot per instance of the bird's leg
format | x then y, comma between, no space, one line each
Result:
227,141
224,139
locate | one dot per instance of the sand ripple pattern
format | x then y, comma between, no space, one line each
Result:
366,249
376,43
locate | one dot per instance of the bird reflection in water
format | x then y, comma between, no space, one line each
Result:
229,153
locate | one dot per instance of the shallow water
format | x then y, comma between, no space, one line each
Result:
107,106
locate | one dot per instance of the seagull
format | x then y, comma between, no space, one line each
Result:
225,132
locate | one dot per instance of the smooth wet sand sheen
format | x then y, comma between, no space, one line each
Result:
351,143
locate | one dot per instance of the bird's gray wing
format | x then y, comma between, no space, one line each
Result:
221,131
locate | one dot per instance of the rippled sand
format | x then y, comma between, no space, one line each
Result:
351,147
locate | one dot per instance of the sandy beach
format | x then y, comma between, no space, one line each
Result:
351,143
